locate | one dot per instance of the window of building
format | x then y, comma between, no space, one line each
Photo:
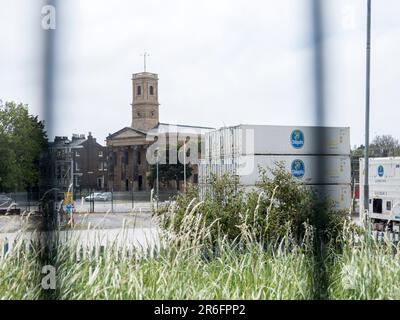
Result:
151,90
76,166
195,178
77,154
100,153
77,181
100,184
377,206
101,166
139,160
138,90
388,205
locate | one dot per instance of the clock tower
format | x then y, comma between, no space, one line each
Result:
145,115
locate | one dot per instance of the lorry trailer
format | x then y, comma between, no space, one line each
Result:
384,192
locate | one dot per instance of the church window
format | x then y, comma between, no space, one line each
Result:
151,90
138,90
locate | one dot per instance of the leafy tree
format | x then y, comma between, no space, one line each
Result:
22,139
381,146
385,146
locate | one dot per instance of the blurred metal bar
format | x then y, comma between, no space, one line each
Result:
49,73
320,277
367,107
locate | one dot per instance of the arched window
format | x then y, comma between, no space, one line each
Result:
151,90
138,90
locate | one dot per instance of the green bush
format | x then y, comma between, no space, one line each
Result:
278,207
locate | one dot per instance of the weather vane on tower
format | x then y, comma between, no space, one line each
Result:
145,54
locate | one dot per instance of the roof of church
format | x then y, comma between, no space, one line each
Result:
164,127
161,124
111,135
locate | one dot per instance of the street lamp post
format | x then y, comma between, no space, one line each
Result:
367,107
157,183
184,163
132,193
184,167
91,192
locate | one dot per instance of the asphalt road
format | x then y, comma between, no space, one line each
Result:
82,221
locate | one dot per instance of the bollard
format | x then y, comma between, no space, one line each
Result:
6,247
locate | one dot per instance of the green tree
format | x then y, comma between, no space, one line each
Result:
22,139
385,146
381,146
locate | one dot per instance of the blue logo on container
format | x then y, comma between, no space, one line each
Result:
381,171
298,169
297,139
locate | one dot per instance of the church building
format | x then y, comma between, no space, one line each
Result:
128,149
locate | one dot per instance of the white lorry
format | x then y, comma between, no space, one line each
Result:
384,193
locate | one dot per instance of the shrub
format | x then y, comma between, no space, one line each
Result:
278,207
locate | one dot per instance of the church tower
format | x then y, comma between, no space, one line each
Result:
144,101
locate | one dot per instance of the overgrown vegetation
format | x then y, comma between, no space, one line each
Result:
185,265
277,206
234,245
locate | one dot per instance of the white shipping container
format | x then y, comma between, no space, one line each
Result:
340,194
274,140
303,167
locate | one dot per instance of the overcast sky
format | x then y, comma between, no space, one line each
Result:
220,62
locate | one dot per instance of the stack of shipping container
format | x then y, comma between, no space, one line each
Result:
241,150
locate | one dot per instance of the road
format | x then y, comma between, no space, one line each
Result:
94,229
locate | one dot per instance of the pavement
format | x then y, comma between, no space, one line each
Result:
115,206
82,221
135,229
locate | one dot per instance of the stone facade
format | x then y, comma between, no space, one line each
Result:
145,115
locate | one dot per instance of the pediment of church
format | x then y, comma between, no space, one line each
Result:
126,136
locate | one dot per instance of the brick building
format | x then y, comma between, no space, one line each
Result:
85,156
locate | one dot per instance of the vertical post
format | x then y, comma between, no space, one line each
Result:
184,166
29,198
157,186
133,174
72,173
132,194
367,107
112,199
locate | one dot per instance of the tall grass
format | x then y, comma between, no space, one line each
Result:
188,263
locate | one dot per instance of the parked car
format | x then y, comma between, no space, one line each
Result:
93,196
99,196
107,196
5,201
